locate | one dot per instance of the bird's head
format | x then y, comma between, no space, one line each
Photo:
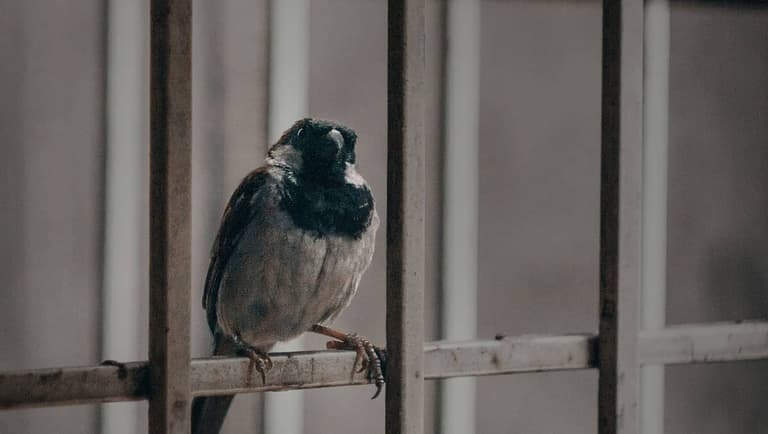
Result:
315,150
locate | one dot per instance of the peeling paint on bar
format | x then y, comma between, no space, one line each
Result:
693,343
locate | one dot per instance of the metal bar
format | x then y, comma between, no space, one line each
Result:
533,353
692,343
405,217
704,343
654,277
460,203
170,244
296,370
620,215
301,370
74,385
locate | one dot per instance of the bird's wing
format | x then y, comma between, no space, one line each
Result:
240,210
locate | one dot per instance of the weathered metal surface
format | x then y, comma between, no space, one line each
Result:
213,376
693,343
74,385
704,343
405,217
300,370
509,355
170,242
620,215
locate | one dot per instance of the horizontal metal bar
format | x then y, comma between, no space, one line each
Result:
534,353
705,343
694,343
74,385
212,376
300,370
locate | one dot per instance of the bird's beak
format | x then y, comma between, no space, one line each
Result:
335,136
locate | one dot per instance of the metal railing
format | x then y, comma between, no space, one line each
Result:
170,378
698,343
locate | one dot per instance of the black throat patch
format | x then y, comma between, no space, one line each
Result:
329,208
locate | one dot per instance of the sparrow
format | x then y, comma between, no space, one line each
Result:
294,241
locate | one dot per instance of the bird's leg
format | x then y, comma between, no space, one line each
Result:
368,356
259,358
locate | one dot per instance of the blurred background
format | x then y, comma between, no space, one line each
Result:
513,130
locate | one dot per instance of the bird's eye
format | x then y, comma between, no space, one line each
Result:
299,133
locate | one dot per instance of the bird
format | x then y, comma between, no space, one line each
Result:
294,241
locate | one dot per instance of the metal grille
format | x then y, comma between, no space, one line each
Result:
170,379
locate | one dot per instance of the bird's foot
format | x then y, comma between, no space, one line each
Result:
368,356
260,359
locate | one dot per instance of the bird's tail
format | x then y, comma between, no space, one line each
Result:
208,412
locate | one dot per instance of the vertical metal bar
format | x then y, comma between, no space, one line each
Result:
288,101
655,126
620,213
126,222
460,204
405,217
170,243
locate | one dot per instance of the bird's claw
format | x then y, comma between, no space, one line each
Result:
259,358
261,361
368,357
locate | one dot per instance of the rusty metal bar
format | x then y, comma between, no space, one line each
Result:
692,343
74,385
405,217
620,215
170,244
